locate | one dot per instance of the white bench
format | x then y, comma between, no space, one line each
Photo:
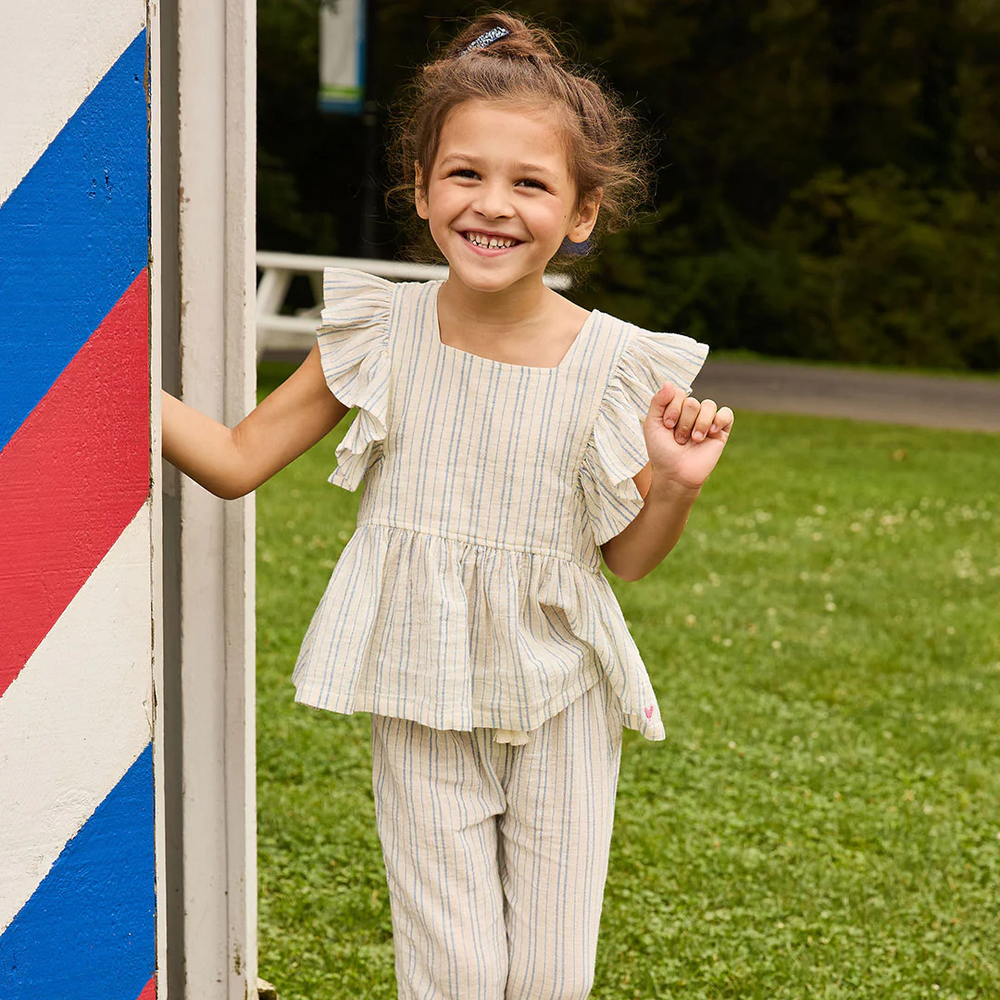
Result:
296,333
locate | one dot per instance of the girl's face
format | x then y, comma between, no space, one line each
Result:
500,197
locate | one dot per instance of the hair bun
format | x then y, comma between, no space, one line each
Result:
520,42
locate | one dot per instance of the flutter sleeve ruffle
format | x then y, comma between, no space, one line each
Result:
617,450
354,349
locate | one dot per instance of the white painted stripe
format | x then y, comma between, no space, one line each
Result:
52,55
76,717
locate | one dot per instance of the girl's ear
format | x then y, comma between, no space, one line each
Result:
586,218
419,192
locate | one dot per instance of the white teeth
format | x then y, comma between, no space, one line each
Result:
490,242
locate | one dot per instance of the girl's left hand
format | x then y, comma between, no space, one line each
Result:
685,438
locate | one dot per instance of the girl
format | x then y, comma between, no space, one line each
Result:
507,439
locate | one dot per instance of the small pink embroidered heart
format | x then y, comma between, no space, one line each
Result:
649,712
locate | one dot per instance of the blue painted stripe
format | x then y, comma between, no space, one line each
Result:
89,930
73,236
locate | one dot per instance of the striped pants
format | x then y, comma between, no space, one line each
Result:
496,854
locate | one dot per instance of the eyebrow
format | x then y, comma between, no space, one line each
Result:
533,168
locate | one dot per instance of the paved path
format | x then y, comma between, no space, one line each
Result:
886,397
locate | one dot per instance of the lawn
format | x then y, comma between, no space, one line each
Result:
823,819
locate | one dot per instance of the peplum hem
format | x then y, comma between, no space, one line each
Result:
354,350
456,635
616,452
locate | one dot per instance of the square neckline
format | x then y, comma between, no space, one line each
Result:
563,361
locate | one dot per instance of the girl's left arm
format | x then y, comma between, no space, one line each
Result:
684,439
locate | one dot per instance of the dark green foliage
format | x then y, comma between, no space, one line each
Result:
828,169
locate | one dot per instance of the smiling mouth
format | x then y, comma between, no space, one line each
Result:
486,242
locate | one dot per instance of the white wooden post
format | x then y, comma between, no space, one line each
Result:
208,162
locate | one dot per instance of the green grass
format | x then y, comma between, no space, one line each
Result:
824,817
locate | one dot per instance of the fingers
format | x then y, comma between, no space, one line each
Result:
689,419
724,420
696,420
665,406
673,402
704,421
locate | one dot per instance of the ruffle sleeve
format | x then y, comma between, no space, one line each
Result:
354,349
617,450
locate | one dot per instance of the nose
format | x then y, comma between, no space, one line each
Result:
493,201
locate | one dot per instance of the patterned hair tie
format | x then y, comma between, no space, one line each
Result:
486,38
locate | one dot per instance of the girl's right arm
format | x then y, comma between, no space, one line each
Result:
233,462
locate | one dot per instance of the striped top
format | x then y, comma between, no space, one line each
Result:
471,594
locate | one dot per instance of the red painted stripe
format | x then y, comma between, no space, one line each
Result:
148,991
72,477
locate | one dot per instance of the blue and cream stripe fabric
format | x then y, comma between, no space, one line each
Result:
497,855
471,594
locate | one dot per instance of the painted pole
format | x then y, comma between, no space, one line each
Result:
77,833
127,809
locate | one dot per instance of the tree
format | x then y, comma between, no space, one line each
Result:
828,169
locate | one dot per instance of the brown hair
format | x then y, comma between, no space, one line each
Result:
526,68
